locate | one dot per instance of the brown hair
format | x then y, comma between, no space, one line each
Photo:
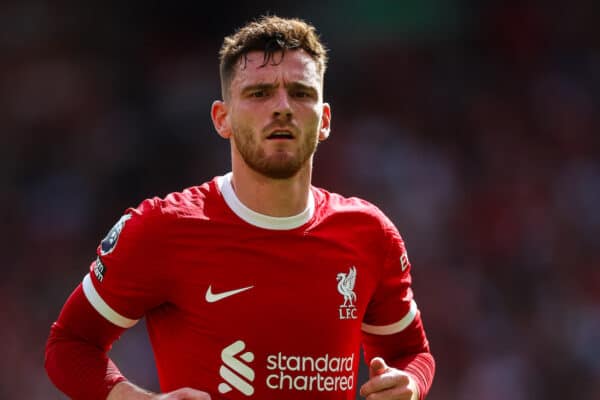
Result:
270,34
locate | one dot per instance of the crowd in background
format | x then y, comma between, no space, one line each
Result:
473,125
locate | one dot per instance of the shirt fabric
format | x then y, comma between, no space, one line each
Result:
243,305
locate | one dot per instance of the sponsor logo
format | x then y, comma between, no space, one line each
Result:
293,372
99,269
109,242
235,373
345,287
214,297
304,373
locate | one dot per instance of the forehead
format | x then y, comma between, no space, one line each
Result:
296,66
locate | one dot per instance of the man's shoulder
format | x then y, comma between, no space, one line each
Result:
192,201
332,204
189,201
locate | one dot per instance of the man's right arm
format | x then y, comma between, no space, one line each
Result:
76,351
76,357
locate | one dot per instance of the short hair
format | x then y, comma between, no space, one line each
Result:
270,34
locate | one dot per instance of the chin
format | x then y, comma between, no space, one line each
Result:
278,169
280,173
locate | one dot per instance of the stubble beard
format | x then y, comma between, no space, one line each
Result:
280,165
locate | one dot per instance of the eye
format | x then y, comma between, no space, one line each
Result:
258,93
302,94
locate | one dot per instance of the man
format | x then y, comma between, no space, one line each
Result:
255,284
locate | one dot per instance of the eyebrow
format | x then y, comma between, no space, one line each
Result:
301,86
267,86
258,86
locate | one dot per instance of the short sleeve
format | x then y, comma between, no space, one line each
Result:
127,277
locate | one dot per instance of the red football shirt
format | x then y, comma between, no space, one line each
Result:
239,304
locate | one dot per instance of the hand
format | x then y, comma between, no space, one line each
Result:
388,383
128,391
183,394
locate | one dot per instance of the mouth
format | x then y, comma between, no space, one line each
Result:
280,135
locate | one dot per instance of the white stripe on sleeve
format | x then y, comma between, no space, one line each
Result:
396,327
104,309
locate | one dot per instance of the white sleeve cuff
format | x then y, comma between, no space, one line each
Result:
395,327
104,309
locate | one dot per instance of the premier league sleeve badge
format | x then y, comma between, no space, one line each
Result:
109,242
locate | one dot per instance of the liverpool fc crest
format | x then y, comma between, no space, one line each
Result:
345,287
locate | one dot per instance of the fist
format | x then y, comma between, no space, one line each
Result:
388,383
183,394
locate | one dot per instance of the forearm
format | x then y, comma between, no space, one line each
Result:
84,372
79,369
421,367
76,357
407,350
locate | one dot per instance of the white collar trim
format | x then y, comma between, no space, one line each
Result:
262,220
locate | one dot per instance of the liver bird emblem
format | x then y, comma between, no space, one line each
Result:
346,286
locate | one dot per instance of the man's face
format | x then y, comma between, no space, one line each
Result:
276,114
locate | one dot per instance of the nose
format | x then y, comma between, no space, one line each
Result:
282,107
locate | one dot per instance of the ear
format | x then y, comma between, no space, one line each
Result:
325,122
218,113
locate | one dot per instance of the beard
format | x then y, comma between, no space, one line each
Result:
278,165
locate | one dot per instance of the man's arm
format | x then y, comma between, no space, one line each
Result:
76,351
400,361
76,357
401,366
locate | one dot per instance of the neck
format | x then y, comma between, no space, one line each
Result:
273,197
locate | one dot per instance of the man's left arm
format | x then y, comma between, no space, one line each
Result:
401,366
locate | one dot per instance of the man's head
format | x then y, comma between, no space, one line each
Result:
273,36
272,109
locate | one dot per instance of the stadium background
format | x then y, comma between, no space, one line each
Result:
473,124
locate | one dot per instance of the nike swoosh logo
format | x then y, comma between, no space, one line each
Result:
213,297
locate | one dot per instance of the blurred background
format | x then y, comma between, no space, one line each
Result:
473,124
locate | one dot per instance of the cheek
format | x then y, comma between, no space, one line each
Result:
244,118
313,119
